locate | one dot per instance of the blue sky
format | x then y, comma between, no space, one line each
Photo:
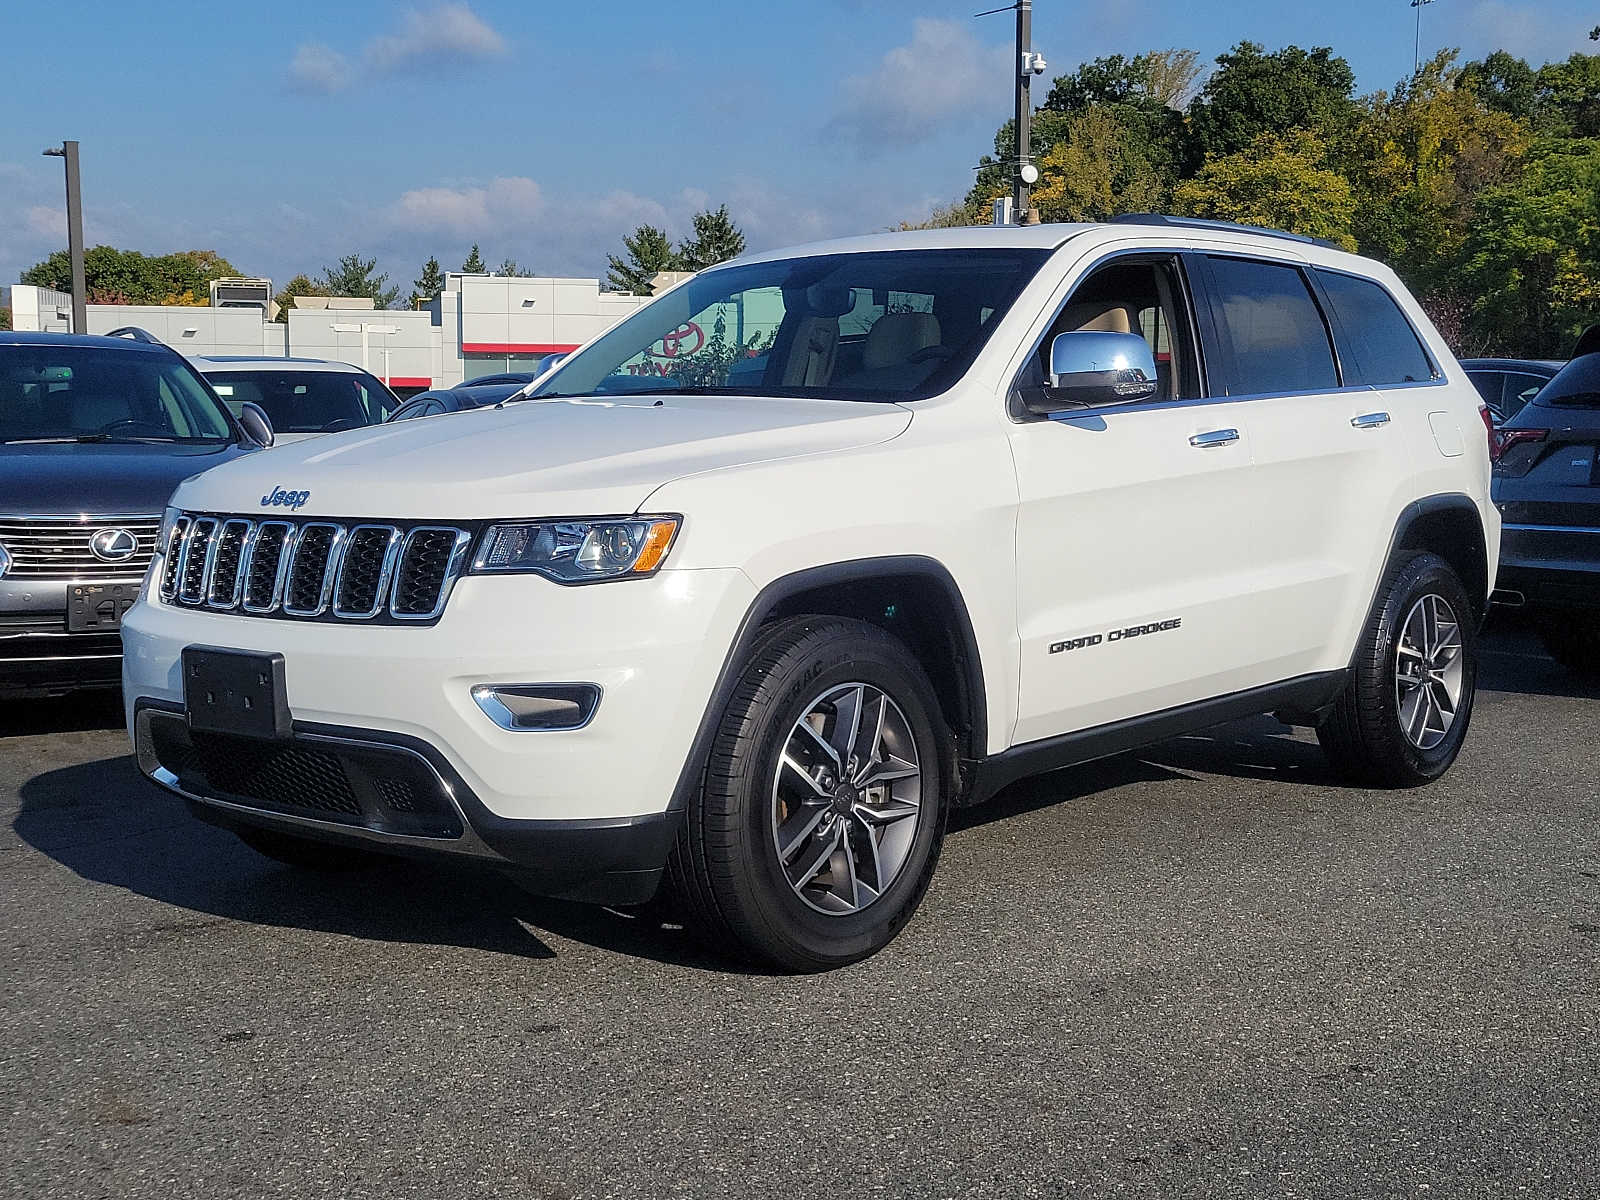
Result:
285,134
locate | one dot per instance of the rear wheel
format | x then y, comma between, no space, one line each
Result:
1573,639
1404,713
822,811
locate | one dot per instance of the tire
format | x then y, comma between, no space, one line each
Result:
1573,639
725,873
303,852
1372,735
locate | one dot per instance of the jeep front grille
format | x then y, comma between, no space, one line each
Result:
313,570
63,548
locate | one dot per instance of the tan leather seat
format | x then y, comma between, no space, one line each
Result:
895,337
1097,317
816,343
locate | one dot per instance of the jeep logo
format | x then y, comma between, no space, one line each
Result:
280,498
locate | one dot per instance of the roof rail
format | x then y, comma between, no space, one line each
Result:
136,334
1221,226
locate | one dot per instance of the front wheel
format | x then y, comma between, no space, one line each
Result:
1404,713
816,830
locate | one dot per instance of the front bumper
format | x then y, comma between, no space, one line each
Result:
369,789
1550,566
654,646
37,654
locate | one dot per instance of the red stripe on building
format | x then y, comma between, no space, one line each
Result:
420,381
515,348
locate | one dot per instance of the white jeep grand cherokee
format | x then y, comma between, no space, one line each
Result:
823,543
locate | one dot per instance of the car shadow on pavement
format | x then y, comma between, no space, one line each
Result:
108,824
80,712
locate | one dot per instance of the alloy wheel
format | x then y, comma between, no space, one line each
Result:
846,799
1429,671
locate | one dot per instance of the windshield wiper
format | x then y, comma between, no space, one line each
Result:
87,439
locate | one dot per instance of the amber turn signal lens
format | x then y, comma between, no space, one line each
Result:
656,544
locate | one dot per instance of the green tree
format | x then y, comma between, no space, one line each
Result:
113,276
649,251
1533,252
948,216
1504,82
474,264
509,267
1254,93
1417,161
353,275
430,284
1280,181
716,239
5,317
1569,97
300,285
1101,168
1163,77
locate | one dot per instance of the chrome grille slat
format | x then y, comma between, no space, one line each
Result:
313,570
58,548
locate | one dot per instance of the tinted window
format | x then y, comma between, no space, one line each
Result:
307,401
66,392
867,326
1577,385
1385,345
1488,384
1279,341
1520,389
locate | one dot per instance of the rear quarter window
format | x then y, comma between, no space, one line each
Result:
1279,341
1382,341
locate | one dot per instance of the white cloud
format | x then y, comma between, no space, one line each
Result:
318,69
444,32
504,205
426,37
940,75
1526,30
42,221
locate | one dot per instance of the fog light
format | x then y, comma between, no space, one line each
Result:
535,707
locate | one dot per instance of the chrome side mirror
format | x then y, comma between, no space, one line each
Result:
1093,369
257,427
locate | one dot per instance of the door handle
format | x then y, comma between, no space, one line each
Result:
1370,420
1215,437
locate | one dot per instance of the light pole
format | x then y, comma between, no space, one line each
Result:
80,314
1416,52
1028,63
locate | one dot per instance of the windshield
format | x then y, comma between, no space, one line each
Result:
895,325
1576,385
63,392
307,401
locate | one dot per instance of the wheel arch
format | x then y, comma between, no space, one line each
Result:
1451,526
913,597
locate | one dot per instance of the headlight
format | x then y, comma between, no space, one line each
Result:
578,551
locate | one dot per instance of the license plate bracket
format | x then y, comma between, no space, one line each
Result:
98,607
235,692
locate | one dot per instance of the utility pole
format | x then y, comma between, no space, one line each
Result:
80,314
1024,106
1416,53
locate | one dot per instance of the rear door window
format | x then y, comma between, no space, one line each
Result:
1273,326
1381,340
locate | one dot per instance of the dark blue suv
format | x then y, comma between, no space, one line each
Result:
95,432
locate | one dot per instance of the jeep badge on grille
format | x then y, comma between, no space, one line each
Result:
280,498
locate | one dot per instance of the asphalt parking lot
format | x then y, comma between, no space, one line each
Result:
1204,970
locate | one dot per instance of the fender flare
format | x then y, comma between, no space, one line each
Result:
786,587
1409,516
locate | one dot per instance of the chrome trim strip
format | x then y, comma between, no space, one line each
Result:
282,571
79,520
238,570
1594,529
484,696
205,569
391,555
452,571
329,569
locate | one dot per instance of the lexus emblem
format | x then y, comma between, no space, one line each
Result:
114,545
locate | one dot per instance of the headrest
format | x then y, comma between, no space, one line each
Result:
895,337
1096,316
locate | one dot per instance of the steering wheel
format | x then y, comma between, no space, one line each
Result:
932,354
135,428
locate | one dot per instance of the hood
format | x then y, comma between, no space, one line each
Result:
113,479
536,457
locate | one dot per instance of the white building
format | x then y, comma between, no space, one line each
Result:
479,325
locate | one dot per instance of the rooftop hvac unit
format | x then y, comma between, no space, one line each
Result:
241,293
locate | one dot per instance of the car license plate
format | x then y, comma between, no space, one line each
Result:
98,607
235,692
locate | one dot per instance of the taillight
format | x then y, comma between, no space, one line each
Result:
1515,437
1497,446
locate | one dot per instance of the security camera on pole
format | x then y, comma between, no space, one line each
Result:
1029,63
